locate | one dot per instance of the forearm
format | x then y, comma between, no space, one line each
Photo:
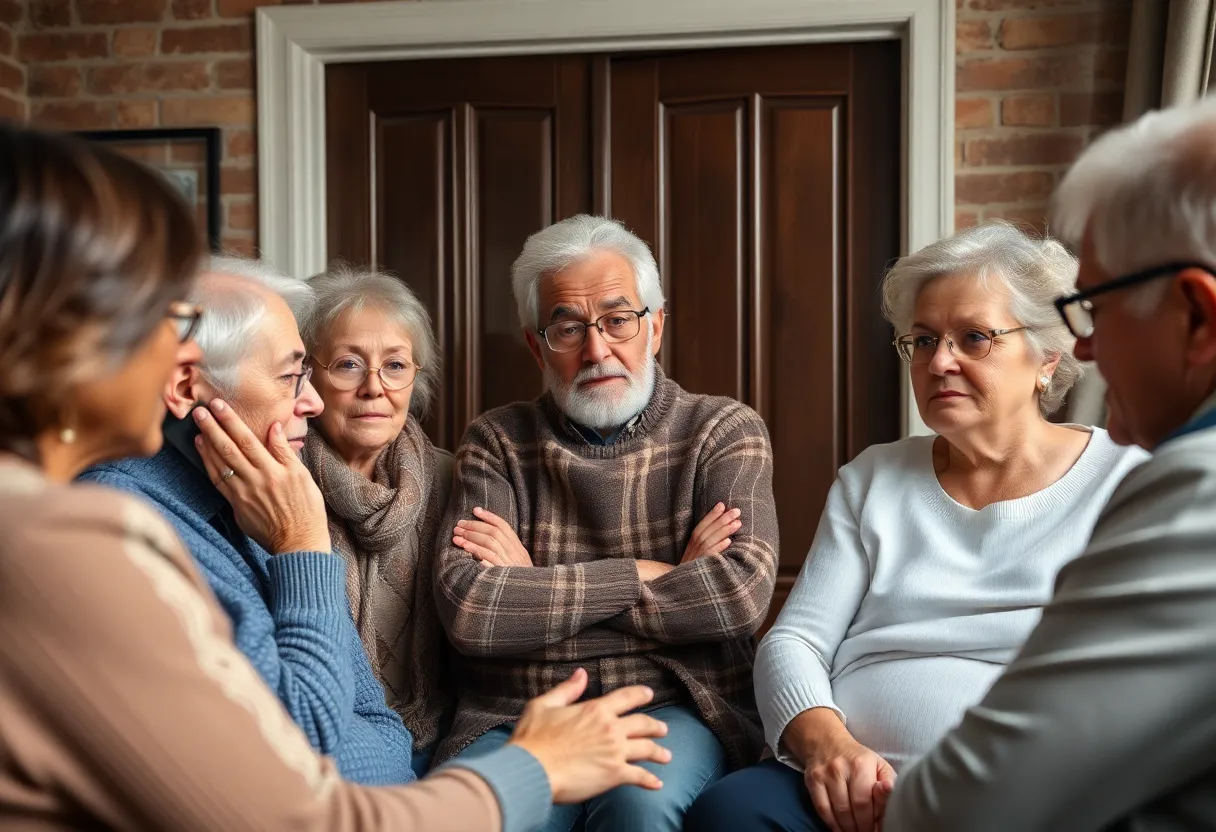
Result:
505,611
311,643
791,679
814,735
713,598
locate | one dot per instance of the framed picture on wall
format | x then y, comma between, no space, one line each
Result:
188,157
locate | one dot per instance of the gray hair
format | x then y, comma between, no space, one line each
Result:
1035,272
565,243
1146,195
343,288
232,318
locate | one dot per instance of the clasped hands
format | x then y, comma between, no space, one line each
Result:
493,542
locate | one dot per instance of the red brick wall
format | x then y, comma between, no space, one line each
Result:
12,73
1035,79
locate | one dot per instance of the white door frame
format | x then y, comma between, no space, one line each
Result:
294,43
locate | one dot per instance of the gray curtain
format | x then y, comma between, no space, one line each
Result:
1169,62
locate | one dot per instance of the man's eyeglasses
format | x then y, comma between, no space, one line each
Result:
1078,310
185,317
616,327
965,342
349,372
301,378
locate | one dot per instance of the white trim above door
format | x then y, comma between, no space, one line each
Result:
294,43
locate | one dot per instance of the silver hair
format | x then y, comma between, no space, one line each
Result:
232,318
565,243
1034,271
343,288
1146,196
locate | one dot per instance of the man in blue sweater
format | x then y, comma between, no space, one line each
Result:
254,520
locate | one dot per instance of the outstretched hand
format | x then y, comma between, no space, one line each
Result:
590,747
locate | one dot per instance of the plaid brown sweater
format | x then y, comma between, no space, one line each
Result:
585,513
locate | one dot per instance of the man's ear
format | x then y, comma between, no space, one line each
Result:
534,345
660,318
183,391
1199,289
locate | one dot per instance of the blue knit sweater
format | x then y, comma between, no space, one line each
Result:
290,617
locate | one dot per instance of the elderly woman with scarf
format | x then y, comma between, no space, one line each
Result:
375,365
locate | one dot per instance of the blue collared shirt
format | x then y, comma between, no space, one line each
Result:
593,437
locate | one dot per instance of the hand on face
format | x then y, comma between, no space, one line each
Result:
273,496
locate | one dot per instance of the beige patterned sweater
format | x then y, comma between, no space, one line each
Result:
125,705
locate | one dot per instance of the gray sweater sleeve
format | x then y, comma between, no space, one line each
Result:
794,662
1109,705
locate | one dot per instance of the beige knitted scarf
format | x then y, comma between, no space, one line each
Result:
385,528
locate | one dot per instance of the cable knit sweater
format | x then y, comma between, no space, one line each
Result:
910,604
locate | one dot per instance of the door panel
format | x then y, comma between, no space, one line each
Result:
438,171
705,156
738,166
514,181
766,181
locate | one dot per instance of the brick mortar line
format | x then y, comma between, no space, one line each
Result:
96,63
166,23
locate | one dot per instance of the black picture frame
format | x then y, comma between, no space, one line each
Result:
210,136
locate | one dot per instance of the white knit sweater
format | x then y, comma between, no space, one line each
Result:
910,604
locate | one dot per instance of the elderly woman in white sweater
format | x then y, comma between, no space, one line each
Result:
934,554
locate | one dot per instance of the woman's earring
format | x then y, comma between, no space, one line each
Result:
1044,381
67,436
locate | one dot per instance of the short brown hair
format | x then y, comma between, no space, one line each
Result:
94,248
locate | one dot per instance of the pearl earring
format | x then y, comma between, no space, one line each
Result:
67,436
1044,381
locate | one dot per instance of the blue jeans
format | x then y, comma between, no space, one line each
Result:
697,760
770,796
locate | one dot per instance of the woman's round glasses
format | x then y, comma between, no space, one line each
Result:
185,317
965,342
349,372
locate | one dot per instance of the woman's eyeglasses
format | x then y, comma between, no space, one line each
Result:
349,372
965,342
185,317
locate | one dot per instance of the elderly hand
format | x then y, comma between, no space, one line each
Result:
712,534
849,785
272,495
589,747
491,540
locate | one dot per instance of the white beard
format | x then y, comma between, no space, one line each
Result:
605,409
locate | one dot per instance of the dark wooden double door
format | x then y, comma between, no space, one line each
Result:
765,180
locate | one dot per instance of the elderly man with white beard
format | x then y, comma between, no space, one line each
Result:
618,523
